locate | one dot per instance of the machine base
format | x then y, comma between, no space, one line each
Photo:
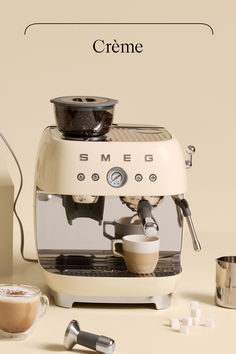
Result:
103,278
67,301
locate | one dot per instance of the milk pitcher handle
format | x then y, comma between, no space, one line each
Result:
110,237
44,303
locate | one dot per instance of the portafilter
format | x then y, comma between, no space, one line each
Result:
143,206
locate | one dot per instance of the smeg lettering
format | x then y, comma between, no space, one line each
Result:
148,158
108,157
127,157
83,157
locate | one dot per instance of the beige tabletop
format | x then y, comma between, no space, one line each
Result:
141,329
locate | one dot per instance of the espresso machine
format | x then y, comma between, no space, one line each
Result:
90,171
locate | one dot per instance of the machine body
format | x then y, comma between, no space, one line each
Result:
82,182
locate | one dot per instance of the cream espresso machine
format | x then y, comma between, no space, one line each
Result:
90,171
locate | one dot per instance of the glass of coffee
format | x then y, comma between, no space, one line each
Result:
20,308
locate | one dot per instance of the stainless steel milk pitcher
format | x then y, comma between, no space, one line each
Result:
226,281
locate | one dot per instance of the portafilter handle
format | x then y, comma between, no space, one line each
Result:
148,222
183,204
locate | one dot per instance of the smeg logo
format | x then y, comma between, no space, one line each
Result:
108,157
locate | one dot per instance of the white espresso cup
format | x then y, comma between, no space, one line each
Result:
20,308
140,253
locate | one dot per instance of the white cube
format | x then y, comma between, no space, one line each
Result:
196,313
196,321
184,329
174,323
209,322
187,321
194,305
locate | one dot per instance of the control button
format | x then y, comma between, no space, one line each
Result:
80,177
153,177
138,177
95,177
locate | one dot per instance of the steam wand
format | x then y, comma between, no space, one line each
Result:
183,204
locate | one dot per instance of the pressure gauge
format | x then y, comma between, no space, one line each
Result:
116,177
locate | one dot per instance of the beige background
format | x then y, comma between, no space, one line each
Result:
184,80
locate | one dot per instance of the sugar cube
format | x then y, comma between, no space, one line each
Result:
194,305
174,323
184,329
187,321
209,322
196,313
196,321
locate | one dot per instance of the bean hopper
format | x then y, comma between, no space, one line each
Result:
89,171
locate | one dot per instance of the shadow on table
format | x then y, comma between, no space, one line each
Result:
115,306
61,348
201,297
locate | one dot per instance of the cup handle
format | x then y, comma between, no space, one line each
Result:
114,242
104,229
44,302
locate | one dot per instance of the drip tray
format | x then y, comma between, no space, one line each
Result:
105,265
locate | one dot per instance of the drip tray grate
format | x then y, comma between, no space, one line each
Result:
105,266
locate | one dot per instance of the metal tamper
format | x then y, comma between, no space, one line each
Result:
74,335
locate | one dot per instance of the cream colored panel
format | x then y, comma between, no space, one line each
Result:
6,221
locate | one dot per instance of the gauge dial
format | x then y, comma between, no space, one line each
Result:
116,177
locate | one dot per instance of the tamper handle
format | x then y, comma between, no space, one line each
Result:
87,340
101,344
